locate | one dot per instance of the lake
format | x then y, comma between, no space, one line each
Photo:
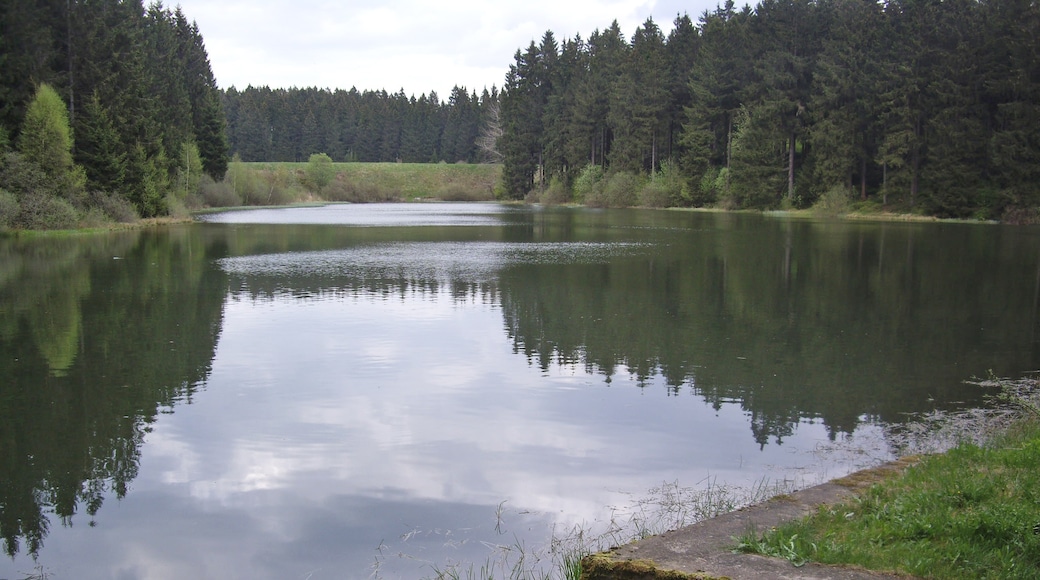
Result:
385,391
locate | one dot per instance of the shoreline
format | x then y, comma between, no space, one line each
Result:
807,214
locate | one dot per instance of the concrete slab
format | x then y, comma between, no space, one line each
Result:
705,550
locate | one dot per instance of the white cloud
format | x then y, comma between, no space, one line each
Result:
417,46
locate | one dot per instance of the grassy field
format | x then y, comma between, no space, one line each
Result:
284,183
972,512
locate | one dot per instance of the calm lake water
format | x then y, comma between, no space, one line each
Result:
359,391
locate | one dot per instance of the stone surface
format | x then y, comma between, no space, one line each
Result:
705,550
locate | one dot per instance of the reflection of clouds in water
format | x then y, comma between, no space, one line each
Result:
447,417
370,215
330,426
474,261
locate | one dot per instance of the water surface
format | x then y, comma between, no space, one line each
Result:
359,391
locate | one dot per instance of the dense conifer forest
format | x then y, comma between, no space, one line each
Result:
107,108
929,105
267,124
110,109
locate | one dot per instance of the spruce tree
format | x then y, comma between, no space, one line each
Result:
98,148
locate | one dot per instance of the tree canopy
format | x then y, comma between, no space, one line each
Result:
930,105
266,124
132,84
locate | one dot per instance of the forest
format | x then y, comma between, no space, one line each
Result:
929,106
109,110
267,124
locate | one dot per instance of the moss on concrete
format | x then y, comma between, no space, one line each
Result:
606,566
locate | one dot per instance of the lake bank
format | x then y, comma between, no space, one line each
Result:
290,184
967,512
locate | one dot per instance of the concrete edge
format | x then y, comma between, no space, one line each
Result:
704,551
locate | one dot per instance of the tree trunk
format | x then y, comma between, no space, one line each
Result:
653,153
863,179
790,169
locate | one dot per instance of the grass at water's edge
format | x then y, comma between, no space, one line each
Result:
251,185
971,512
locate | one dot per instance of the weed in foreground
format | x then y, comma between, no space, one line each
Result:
664,507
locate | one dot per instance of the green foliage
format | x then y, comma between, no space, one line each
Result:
667,187
619,190
320,172
189,172
140,85
46,137
222,194
282,183
834,202
9,208
98,148
113,207
44,212
758,176
931,104
970,512
713,186
589,183
46,140
557,192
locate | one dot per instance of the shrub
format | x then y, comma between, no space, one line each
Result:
713,187
45,212
22,176
320,171
836,201
588,183
619,190
115,207
664,189
218,194
557,192
93,218
459,192
340,190
8,208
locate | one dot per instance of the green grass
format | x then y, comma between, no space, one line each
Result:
972,512
388,181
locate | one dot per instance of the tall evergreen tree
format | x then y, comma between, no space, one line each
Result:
843,133
99,149
717,81
640,101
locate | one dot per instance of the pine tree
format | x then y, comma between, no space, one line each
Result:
681,49
842,133
717,80
639,104
789,32
99,149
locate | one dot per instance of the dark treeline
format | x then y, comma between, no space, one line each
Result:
105,106
928,105
290,124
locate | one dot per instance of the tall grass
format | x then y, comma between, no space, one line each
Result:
281,183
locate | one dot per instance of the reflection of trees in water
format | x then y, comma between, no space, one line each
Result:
795,320
101,331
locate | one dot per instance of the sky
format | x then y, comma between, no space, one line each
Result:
414,45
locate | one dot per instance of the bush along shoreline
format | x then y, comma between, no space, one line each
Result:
969,509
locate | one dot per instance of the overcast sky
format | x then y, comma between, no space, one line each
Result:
413,45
